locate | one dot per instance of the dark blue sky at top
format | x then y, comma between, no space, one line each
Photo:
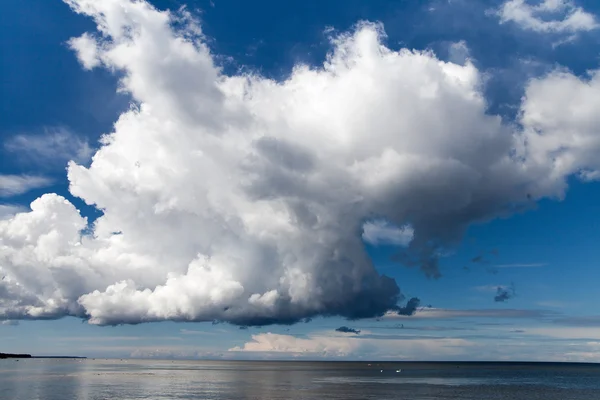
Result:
42,85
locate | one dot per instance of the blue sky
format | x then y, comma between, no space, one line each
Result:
531,236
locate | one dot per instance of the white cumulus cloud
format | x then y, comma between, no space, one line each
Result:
9,210
242,199
87,53
321,345
547,16
561,123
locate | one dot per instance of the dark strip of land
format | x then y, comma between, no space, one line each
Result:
8,355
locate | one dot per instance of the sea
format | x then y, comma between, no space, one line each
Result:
63,379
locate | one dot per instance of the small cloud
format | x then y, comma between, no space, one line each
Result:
86,48
549,16
9,322
14,185
345,329
503,294
458,53
381,232
518,331
410,308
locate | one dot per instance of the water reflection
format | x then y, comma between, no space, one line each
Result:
114,379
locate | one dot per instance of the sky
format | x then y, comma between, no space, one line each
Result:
382,180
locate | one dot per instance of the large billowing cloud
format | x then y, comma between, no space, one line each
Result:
243,199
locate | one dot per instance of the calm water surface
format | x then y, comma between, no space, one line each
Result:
134,379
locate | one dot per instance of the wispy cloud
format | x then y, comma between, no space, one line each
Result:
582,332
557,304
580,321
524,265
423,328
489,288
440,313
175,352
108,338
14,185
54,147
195,332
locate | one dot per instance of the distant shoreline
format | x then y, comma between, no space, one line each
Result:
468,364
389,363
9,355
